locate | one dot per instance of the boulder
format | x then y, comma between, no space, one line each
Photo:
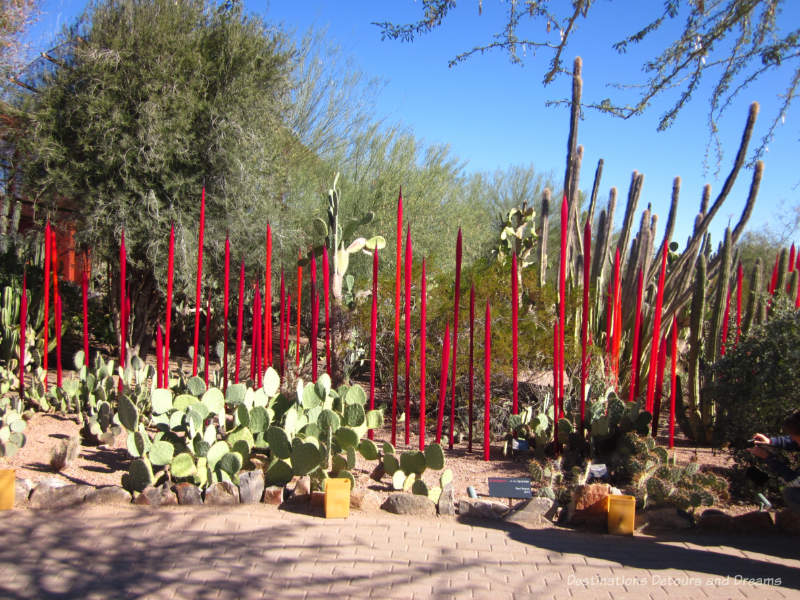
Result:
409,504
481,509
536,512
188,494
112,494
788,521
22,491
447,501
317,498
251,486
757,521
378,472
302,490
364,499
47,495
156,496
592,498
273,494
667,518
715,520
222,493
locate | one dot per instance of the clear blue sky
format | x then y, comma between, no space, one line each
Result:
492,113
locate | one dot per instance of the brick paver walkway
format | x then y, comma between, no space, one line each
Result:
260,552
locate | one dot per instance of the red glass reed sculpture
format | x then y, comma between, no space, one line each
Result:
408,332
637,327
487,381
314,315
123,337
456,301
281,326
299,309
46,283
267,350
398,272
423,325
587,261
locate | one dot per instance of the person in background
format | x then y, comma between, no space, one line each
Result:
790,442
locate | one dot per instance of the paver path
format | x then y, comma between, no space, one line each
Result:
260,552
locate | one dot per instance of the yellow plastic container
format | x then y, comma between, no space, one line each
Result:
6,489
337,498
621,514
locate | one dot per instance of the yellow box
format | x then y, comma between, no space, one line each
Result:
337,498
6,489
621,514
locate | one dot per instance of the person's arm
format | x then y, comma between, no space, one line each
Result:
784,442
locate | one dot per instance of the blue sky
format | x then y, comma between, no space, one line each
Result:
492,113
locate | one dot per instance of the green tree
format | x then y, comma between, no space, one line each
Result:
151,101
15,17
732,42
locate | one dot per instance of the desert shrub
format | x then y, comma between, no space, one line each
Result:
755,386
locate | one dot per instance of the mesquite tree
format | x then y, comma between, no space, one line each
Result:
148,102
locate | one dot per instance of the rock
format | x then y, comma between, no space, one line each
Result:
317,498
409,504
481,509
251,486
273,494
63,453
156,496
22,490
592,497
788,521
447,501
364,499
715,520
757,521
536,512
188,494
378,472
112,494
662,518
222,493
46,495
302,490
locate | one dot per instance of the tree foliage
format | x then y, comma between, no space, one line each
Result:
153,101
733,43
15,17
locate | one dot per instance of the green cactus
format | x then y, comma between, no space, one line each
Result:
697,318
434,457
420,488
